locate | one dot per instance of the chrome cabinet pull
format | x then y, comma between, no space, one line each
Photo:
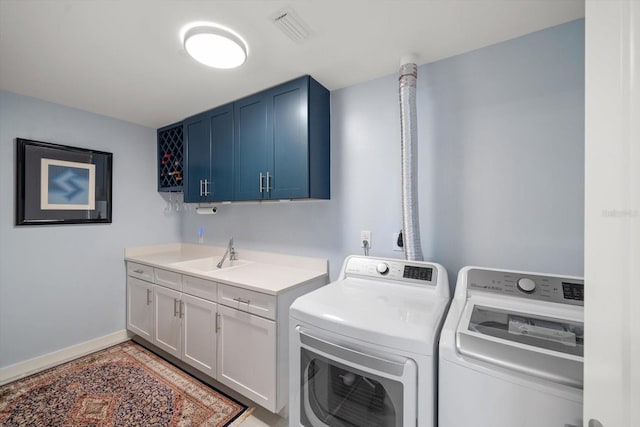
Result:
138,271
148,296
206,188
201,185
268,182
261,182
217,322
175,308
242,300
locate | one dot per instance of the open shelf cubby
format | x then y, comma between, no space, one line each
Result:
170,158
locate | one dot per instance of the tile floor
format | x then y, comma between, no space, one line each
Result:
260,417
263,418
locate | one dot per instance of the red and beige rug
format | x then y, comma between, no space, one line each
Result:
124,385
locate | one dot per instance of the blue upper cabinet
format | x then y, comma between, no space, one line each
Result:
197,158
271,145
222,140
251,146
283,143
209,156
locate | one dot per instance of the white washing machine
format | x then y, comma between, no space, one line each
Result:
511,351
363,349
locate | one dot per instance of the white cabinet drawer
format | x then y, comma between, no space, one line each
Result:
168,279
245,300
140,271
200,288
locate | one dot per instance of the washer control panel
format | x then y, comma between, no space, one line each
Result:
396,270
544,288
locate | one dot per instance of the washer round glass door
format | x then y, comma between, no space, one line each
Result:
341,387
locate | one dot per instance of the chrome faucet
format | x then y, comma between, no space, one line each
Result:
230,251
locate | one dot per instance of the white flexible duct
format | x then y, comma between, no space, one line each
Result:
409,141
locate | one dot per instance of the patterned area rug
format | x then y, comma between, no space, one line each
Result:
124,385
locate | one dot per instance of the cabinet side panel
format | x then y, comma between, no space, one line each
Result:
319,141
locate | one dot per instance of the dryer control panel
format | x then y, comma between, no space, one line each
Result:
524,285
395,270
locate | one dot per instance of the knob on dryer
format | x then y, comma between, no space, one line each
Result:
382,268
526,285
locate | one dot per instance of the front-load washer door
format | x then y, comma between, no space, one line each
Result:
544,347
342,387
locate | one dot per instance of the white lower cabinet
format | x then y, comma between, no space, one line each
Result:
247,355
233,335
168,323
185,327
140,307
199,334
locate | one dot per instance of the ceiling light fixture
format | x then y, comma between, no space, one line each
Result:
214,45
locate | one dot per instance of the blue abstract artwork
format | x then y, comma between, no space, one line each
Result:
68,185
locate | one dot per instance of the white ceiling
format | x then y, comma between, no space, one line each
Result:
124,58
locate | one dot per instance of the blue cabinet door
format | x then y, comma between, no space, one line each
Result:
221,125
251,147
288,167
197,158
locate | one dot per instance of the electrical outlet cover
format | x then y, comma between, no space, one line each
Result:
365,235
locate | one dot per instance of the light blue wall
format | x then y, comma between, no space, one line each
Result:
501,165
63,285
507,122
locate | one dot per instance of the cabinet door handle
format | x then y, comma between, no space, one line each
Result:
181,309
175,307
138,271
217,322
261,182
242,300
148,296
204,187
268,182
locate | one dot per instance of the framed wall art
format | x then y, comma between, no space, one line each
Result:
58,184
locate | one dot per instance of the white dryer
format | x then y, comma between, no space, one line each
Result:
363,349
511,351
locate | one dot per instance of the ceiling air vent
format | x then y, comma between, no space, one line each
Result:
291,25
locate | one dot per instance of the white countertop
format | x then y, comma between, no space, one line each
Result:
265,272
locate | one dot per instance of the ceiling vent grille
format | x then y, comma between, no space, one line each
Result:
291,25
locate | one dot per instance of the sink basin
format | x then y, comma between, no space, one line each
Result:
210,264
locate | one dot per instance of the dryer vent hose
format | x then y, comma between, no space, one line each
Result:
409,141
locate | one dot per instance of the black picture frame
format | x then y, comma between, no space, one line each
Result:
59,184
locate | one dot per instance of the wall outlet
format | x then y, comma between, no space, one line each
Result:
365,236
394,244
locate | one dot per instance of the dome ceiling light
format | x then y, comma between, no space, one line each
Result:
214,45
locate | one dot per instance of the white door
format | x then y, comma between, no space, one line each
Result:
168,324
199,334
612,214
140,308
247,355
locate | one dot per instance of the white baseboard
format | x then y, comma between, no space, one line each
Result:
46,361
